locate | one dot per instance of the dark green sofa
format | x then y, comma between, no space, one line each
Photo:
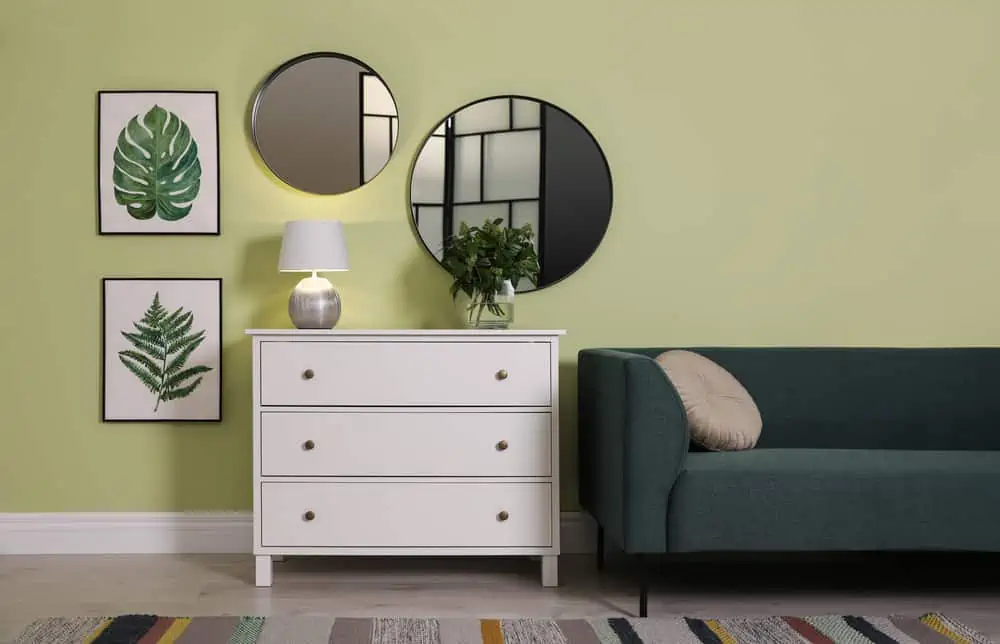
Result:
861,450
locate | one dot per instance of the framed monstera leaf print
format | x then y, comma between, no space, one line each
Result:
162,349
158,162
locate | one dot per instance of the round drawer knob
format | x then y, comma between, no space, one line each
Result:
502,446
308,445
502,374
502,516
309,515
308,374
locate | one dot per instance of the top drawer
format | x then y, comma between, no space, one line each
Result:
350,373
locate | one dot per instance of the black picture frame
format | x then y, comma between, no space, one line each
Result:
217,367
157,228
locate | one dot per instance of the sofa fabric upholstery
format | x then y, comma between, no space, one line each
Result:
836,500
861,449
636,463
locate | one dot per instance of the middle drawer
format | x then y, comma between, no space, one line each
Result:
405,444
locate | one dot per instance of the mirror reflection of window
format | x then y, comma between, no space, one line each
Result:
482,163
521,161
380,126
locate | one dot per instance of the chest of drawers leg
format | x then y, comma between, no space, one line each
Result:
405,443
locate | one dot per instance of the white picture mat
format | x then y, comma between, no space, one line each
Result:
200,111
125,302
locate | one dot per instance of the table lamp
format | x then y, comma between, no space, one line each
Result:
313,246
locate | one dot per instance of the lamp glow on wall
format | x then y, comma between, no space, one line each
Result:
313,246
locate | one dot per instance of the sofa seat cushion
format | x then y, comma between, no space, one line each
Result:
836,500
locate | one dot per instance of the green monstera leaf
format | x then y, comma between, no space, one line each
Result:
157,171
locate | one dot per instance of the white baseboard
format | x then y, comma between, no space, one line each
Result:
82,533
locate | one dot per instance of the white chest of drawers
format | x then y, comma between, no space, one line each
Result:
406,443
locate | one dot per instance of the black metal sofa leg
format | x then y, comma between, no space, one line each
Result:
600,548
643,586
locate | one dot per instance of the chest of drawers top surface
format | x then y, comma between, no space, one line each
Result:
386,334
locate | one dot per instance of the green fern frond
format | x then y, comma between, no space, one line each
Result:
144,345
154,369
182,326
152,382
149,333
173,317
180,359
182,343
183,392
155,312
164,344
174,381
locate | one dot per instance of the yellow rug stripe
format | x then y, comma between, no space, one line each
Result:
176,630
98,630
492,634
720,631
934,623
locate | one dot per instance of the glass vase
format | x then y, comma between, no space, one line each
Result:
478,314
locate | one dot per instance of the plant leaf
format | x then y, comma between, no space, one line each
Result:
145,345
183,392
152,382
173,381
480,258
183,325
156,167
190,344
183,343
159,336
152,367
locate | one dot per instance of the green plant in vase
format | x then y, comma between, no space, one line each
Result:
486,262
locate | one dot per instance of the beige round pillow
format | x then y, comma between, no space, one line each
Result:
721,414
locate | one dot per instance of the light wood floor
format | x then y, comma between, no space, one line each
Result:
31,587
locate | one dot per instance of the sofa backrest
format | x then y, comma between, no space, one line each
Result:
921,399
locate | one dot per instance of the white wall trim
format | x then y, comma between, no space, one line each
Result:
80,533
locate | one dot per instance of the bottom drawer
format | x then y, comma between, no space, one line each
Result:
389,515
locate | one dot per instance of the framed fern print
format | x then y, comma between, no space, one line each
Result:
162,349
158,162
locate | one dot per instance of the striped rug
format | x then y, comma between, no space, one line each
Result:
150,629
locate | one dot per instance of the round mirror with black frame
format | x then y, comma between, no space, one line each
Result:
324,123
520,160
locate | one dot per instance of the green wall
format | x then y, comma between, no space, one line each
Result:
786,172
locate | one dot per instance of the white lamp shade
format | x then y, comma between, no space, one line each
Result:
313,245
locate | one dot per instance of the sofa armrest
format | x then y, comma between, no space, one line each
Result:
633,439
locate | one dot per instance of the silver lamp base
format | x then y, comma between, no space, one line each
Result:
314,304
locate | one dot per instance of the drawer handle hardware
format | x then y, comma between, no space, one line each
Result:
502,446
308,445
309,515
503,516
308,374
502,374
